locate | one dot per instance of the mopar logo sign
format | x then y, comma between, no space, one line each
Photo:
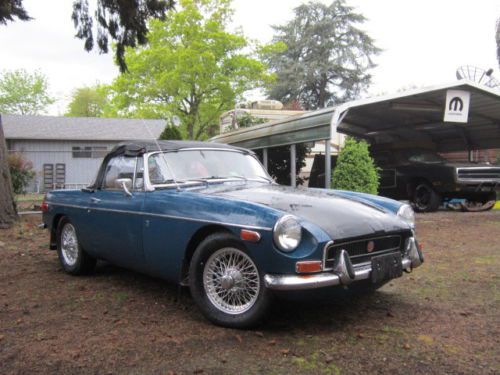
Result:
457,106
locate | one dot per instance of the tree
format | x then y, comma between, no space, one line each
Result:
327,57
124,21
355,169
8,212
192,67
12,8
87,102
24,93
171,133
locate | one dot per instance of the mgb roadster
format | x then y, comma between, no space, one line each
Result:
209,216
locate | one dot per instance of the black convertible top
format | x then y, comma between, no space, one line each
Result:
137,148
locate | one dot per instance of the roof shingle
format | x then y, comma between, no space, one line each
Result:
80,128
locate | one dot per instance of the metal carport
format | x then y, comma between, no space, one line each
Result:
414,117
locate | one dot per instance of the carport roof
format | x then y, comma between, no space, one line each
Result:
416,118
408,118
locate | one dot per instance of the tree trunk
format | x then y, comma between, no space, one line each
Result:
8,212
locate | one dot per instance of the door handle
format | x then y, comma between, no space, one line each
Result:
95,200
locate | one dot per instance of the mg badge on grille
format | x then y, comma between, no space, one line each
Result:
370,246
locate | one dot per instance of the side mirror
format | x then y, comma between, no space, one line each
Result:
125,184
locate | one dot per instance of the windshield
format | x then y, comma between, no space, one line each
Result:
188,165
423,156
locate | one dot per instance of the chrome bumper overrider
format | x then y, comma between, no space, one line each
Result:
343,272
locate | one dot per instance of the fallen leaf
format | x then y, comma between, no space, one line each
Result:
285,351
272,342
390,315
328,359
360,335
238,337
259,334
406,346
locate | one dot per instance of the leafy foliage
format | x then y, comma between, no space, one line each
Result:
24,93
21,172
171,133
12,8
327,56
279,157
355,169
192,67
125,21
87,102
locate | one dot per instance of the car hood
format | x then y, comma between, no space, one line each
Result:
339,216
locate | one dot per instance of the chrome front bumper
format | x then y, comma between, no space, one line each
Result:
343,272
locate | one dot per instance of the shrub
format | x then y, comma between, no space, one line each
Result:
171,133
355,169
21,172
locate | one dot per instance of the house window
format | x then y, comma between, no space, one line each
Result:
99,151
82,152
95,152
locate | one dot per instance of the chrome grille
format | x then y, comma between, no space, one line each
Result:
486,173
357,248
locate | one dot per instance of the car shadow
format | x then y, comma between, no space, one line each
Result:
334,311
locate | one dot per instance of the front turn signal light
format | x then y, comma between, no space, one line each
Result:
308,266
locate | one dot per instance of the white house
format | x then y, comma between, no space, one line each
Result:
67,151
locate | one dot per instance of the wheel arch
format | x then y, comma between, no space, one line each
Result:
193,243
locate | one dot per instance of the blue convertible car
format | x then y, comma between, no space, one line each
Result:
209,216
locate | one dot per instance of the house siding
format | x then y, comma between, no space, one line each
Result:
78,171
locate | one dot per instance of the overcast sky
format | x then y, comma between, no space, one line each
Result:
423,42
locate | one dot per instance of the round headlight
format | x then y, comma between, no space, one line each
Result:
287,233
407,214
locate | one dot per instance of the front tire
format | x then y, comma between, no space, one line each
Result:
425,198
226,284
74,260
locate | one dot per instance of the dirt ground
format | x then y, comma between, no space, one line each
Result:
442,319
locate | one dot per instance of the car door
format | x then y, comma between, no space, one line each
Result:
115,217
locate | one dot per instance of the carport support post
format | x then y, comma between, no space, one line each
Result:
264,158
293,167
328,164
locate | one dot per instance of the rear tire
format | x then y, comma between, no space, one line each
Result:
425,198
226,284
74,260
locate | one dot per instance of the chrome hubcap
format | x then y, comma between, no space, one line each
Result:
231,281
69,245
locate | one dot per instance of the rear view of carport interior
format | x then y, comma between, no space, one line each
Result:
412,118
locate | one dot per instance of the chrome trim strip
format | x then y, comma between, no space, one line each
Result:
162,216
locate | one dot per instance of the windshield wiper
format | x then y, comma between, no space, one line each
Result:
224,178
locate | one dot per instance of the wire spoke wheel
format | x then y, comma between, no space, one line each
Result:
231,281
69,244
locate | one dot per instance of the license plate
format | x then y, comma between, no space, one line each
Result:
386,267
